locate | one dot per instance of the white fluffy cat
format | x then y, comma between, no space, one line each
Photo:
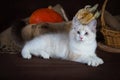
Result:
78,45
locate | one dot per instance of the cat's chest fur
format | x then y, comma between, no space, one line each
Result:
83,48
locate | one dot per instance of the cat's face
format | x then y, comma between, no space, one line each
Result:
82,32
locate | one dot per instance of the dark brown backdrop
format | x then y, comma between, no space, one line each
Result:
11,10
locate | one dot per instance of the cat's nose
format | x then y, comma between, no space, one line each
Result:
81,38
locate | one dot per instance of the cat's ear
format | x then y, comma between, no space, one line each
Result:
75,22
92,25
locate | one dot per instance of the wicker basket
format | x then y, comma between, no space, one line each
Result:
112,37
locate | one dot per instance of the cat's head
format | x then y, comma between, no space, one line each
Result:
81,32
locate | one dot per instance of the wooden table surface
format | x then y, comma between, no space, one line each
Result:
14,67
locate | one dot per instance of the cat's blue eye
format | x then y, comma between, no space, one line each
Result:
86,33
78,32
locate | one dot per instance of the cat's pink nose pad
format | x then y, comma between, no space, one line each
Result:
81,38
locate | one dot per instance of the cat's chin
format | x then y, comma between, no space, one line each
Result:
80,40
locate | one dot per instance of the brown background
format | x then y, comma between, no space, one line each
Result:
11,10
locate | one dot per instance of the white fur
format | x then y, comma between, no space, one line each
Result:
65,46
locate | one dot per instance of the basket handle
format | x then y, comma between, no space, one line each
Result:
102,13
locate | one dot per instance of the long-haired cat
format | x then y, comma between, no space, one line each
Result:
79,44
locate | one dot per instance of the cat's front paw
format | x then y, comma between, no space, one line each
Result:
45,56
26,56
94,61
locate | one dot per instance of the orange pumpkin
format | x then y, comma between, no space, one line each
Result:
45,15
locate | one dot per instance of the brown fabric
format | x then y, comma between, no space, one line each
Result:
7,42
14,67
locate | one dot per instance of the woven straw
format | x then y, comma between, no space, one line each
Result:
112,37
